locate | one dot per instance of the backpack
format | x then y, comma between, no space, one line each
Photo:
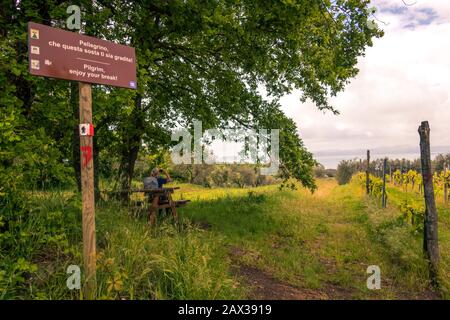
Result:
150,183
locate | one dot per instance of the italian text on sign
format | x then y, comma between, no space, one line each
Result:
67,55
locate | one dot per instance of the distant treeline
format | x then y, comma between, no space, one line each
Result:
347,168
222,175
207,175
321,172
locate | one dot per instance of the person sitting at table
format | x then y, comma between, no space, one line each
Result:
155,181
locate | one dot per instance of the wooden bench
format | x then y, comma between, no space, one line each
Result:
178,203
154,195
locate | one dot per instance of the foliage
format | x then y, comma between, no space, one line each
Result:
30,236
345,171
285,233
196,60
166,265
375,184
440,162
397,177
319,171
413,214
222,175
441,182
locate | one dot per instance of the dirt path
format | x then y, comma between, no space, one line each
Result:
264,286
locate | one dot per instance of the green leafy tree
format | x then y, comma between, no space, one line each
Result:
345,170
205,60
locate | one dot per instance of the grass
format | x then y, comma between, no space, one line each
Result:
321,239
313,241
133,261
397,196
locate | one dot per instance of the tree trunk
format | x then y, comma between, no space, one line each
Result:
430,237
74,102
130,149
128,161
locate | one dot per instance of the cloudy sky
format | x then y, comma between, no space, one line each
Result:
404,79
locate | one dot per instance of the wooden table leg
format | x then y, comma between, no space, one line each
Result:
152,211
173,207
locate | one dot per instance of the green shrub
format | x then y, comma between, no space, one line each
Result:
42,225
345,171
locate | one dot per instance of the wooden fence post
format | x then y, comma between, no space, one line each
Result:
390,172
87,192
367,173
430,237
445,184
383,199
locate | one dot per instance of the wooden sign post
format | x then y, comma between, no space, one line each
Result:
67,55
87,191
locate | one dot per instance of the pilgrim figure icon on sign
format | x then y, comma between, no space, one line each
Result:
35,64
35,34
86,129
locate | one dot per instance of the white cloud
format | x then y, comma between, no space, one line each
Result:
404,79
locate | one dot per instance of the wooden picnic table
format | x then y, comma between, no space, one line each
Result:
161,199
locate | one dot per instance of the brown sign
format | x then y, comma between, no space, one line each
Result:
72,56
